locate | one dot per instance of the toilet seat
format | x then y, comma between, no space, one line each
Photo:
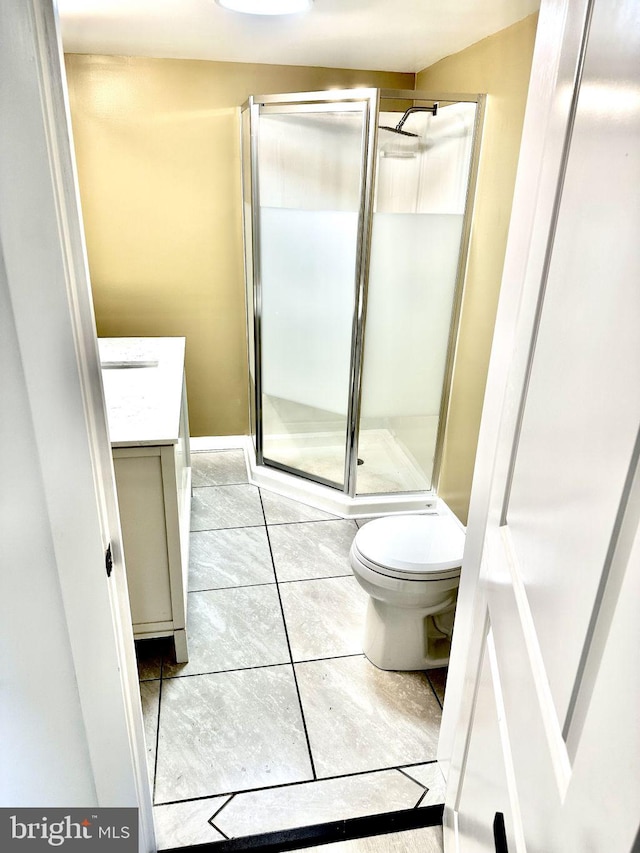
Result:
413,547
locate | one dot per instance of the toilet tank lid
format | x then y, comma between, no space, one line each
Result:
412,542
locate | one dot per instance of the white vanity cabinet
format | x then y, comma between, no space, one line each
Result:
149,429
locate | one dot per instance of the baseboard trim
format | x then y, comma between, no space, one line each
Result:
202,443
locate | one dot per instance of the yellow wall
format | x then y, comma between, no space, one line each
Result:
157,144
500,66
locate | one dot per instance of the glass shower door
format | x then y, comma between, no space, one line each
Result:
309,179
421,198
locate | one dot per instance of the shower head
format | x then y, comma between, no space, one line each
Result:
398,128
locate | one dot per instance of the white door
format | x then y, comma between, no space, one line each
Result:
548,738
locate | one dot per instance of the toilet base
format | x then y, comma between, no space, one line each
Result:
405,638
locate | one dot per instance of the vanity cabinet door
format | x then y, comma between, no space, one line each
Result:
154,487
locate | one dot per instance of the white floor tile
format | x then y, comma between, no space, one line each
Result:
317,549
224,558
362,718
317,802
325,618
182,824
216,507
218,468
235,731
233,629
430,776
229,731
281,510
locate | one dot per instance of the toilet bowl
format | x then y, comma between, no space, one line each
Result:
410,567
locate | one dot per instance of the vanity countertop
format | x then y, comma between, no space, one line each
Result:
143,381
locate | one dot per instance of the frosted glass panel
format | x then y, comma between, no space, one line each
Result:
308,262
417,226
309,166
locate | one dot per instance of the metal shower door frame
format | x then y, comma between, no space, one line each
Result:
370,99
308,102
249,253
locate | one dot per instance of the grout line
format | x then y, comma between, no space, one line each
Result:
265,523
308,521
433,689
217,812
238,586
400,770
421,798
293,669
269,523
261,666
227,671
236,527
232,794
155,758
331,657
217,829
324,578
417,764
414,764
269,583
235,586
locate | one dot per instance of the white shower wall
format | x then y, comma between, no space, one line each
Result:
412,280
428,174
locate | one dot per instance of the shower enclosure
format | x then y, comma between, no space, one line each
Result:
357,207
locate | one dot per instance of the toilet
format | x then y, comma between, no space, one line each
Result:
410,567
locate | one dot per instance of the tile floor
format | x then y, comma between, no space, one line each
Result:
278,720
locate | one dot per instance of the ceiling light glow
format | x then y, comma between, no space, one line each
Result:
266,7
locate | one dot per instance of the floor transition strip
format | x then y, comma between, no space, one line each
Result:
323,833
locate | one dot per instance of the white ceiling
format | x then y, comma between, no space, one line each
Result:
391,35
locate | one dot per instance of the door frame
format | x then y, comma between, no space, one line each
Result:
59,354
